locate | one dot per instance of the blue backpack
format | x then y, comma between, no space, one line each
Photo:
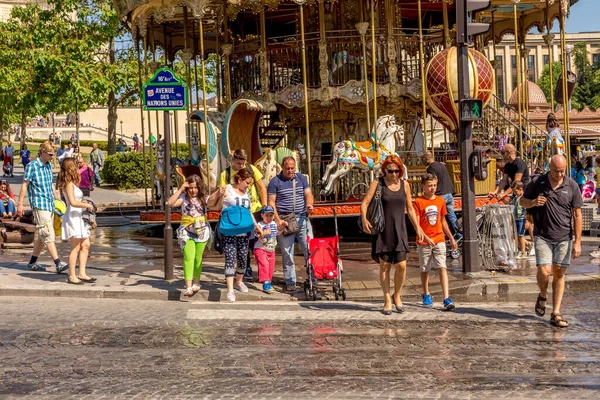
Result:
235,220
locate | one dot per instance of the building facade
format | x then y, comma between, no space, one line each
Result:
6,6
538,54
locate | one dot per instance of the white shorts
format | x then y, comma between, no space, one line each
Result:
432,257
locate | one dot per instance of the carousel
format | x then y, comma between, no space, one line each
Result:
338,84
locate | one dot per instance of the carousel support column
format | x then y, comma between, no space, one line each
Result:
362,29
422,69
548,40
447,38
564,9
305,84
140,84
471,262
374,64
196,52
219,72
518,59
186,57
392,52
264,59
205,119
494,61
226,49
333,147
323,56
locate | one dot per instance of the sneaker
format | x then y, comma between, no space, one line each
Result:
531,252
242,287
248,275
290,287
595,253
267,287
458,236
36,267
519,255
230,295
448,304
427,300
62,267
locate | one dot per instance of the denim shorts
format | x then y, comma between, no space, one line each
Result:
520,227
552,253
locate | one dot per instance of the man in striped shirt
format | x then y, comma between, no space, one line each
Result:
37,183
281,196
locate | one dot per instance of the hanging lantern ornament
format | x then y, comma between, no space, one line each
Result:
441,84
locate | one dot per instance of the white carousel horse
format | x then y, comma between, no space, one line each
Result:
270,163
368,155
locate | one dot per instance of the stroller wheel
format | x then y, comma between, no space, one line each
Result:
336,293
455,254
343,294
307,290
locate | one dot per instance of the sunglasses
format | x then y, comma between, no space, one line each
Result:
50,154
393,171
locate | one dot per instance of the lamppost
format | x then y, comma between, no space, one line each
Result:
121,129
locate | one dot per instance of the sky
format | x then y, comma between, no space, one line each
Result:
584,17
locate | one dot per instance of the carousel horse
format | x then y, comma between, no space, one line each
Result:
367,155
270,162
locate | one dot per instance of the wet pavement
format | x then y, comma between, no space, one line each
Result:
129,264
101,348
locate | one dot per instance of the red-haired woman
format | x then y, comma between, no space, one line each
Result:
391,246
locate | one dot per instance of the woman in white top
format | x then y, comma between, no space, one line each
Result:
74,228
235,247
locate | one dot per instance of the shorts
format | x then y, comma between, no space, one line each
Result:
520,227
392,257
44,225
552,253
432,257
597,191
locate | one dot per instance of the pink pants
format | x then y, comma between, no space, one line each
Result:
266,264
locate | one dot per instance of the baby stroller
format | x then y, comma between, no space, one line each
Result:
7,166
323,266
588,191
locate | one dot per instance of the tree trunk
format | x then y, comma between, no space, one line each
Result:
112,107
112,123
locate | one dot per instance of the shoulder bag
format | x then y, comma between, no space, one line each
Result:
375,212
235,220
292,223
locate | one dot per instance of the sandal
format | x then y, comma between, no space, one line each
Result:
188,292
196,288
558,321
540,310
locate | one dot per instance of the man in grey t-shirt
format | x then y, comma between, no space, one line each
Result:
555,201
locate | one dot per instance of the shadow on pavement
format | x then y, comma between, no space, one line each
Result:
495,314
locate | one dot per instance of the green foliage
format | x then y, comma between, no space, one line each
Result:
126,170
544,79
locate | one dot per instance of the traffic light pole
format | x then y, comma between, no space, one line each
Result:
471,262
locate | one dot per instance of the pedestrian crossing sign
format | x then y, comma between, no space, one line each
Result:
470,110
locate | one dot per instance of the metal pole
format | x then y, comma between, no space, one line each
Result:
168,231
422,68
565,86
518,60
139,55
205,119
549,40
471,260
305,81
374,63
362,28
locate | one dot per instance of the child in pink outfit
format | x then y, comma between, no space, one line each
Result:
264,249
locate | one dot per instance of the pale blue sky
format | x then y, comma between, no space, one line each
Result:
584,17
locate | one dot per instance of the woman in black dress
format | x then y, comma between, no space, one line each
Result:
391,246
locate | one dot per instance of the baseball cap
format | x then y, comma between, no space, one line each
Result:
268,210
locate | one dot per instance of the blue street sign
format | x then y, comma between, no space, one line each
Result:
164,92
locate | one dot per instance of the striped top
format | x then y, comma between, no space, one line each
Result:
283,189
39,190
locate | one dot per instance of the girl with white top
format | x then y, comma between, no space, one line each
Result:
235,247
74,229
194,231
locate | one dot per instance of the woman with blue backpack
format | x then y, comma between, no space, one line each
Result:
235,225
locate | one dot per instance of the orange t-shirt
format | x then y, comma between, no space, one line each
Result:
431,213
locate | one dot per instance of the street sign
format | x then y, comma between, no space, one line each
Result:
165,92
470,110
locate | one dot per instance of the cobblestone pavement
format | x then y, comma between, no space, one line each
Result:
90,348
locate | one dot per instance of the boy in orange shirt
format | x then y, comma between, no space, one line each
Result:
431,211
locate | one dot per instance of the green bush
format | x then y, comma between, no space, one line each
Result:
126,170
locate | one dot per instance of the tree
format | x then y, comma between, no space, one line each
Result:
544,79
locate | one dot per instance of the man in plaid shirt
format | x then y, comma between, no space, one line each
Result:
37,183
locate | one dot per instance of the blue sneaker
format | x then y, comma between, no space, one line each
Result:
248,274
267,287
427,300
448,304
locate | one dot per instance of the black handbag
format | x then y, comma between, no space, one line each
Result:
218,244
292,223
375,212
